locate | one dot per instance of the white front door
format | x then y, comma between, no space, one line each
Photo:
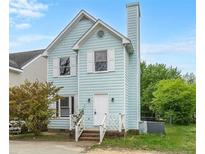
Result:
100,107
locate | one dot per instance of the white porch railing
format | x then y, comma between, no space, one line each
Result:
103,128
71,122
121,121
79,128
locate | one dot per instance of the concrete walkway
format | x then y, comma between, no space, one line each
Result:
42,147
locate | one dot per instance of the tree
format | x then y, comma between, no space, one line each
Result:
175,100
150,75
190,77
30,102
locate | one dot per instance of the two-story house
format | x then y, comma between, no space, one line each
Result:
99,70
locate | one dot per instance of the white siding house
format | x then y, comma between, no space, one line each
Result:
28,65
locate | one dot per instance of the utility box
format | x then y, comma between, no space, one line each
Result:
151,127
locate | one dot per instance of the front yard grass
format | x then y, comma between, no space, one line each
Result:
45,136
178,139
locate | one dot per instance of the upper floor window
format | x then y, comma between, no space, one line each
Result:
64,66
101,60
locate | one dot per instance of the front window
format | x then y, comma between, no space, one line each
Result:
65,66
65,106
100,61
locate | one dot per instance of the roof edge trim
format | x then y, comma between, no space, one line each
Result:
15,69
82,12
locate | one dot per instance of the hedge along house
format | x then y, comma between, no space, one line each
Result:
99,70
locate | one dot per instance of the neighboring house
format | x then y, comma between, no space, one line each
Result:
99,69
28,65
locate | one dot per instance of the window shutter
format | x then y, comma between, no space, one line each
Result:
90,62
56,67
111,59
73,63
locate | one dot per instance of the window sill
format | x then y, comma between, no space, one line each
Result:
65,76
99,72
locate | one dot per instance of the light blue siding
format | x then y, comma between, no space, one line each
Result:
121,84
132,106
64,48
108,82
59,124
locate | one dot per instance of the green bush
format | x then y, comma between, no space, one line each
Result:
174,101
151,74
30,102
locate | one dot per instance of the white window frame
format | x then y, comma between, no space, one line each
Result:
60,67
70,107
95,61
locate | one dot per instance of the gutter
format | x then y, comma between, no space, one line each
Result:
15,69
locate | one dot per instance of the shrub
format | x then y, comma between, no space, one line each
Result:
30,102
151,74
174,100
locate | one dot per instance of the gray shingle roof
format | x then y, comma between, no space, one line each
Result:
19,59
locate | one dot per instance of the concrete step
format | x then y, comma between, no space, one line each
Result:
85,138
91,131
90,134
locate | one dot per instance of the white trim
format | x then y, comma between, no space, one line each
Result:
47,69
138,66
15,69
99,72
76,18
59,113
124,53
64,76
31,61
78,83
124,39
70,106
94,69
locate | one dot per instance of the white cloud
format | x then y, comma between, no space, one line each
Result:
22,26
27,8
27,39
182,44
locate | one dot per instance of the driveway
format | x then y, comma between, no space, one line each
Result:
42,147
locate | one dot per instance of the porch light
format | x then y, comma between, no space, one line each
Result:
112,99
88,100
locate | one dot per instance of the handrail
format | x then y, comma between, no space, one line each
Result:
79,121
103,128
71,119
79,128
121,121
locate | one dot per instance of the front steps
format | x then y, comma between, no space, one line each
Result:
90,135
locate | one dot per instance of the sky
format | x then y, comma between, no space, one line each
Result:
167,27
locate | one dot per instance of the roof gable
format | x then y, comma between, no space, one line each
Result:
82,14
124,39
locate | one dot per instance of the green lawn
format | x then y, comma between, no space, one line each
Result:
178,139
43,137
